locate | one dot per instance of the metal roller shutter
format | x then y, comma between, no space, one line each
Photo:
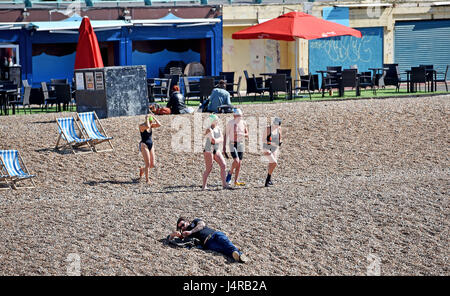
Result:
422,42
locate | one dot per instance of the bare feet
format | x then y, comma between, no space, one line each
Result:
141,172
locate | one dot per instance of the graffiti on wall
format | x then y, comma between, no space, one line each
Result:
345,51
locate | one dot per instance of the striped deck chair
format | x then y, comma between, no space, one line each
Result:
11,171
66,129
88,124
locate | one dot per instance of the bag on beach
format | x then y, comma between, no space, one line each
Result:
158,110
188,242
162,111
225,109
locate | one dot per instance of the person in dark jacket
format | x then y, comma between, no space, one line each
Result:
209,238
177,102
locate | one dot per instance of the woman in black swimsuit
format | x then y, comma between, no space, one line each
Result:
146,145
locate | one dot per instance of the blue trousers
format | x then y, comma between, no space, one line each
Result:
220,243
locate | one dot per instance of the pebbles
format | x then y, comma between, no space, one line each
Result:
356,179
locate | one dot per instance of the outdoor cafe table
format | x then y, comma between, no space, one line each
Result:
378,72
433,73
269,82
4,95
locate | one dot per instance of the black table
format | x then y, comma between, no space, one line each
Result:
428,73
378,74
268,82
4,100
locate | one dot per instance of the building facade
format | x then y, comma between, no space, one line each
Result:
405,32
41,36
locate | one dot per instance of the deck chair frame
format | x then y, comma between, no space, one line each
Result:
12,180
94,142
72,144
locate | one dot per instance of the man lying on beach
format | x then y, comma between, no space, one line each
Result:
210,239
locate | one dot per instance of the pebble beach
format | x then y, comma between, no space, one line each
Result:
356,180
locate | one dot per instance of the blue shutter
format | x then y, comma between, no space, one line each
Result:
422,43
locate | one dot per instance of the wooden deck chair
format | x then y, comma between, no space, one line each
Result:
11,169
66,129
90,128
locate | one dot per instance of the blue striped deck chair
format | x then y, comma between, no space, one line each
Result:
66,129
11,170
88,124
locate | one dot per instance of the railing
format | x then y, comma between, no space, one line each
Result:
90,3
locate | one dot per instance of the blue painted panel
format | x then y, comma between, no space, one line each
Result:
170,32
46,67
8,36
154,61
338,15
345,51
422,43
46,37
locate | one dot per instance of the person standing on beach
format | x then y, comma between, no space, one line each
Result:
146,145
273,142
235,134
212,152
210,239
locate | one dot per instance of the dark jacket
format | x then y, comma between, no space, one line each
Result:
176,102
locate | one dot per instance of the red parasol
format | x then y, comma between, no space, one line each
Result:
88,52
294,25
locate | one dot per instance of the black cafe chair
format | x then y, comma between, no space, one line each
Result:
418,76
229,78
349,78
287,72
443,78
236,89
258,86
255,85
48,100
332,79
24,101
304,83
206,87
63,94
279,84
191,88
392,76
429,72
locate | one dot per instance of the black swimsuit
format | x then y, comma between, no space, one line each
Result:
272,141
146,138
